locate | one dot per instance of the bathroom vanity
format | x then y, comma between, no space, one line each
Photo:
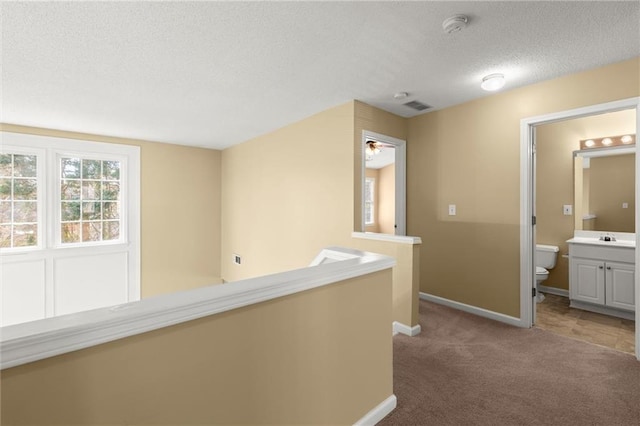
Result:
602,274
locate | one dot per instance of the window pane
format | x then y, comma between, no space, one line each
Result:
71,232
91,190
69,211
91,231
24,165
111,231
6,169
110,191
91,211
91,169
25,189
70,190
110,211
111,170
25,211
25,235
5,189
5,236
5,211
71,168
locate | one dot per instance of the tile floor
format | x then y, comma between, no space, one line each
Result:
555,315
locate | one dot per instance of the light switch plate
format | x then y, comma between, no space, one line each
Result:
452,209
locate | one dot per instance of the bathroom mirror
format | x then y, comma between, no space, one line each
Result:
604,191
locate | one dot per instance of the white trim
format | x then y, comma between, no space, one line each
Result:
601,309
401,239
401,177
32,341
379,412
527,238
473,310
401,328
553,290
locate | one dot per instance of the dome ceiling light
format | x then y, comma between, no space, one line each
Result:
493,82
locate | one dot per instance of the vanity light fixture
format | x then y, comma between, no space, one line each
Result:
493,82
608,142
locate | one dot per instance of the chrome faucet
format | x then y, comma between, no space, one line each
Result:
607,237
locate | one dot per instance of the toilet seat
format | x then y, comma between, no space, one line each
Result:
541,271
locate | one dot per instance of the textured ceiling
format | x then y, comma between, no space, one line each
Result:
215,74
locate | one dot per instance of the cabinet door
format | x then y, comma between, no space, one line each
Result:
587,280
620,285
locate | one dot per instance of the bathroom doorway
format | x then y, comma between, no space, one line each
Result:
529,129
383,184
582,189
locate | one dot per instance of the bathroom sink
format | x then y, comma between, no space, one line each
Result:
597,241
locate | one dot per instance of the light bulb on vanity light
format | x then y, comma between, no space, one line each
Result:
607,141
626,139
493,82
589,143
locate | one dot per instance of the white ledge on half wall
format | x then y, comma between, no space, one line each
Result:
403,239
36,340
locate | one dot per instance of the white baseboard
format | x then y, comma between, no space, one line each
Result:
473,309
553,290
399,327
378,413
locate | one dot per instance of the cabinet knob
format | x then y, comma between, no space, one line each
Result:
600,267
608,267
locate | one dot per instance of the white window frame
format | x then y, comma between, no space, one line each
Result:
372,181
124,201
41,202
49,151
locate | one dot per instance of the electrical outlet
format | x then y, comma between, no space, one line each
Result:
625,205
567,209
237,259
452,209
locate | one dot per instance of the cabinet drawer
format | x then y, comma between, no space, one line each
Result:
617,254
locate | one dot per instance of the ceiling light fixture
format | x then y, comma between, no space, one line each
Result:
373,148
400,95
493,82
454,24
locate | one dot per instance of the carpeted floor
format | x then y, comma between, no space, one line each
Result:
467,370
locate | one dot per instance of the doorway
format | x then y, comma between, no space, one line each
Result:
383,184
528,203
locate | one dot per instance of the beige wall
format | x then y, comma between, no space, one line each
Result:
387,199
180,211
308,358
555,144
469,155
612,184
288,194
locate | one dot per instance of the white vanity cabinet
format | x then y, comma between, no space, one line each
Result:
602,278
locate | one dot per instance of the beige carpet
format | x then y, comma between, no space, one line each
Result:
467,370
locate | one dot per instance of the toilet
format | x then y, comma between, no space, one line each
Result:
546,257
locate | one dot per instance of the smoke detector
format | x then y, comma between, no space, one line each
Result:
454,24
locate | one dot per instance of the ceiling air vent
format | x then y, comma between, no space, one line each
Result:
418,106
